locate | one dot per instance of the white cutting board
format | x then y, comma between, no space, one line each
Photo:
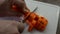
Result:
49,11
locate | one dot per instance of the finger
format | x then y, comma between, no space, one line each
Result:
19,3
20,27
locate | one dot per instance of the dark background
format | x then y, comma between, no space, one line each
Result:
56,2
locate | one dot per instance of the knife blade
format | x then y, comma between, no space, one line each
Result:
30,13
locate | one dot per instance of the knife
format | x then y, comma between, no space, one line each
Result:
30,14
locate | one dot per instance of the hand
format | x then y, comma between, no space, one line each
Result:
5,7
11,27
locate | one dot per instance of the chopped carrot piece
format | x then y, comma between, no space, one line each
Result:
30,28
37,22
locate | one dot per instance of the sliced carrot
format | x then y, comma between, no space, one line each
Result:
30,28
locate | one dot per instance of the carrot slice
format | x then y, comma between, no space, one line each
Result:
30,28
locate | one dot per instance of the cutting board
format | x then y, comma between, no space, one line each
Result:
49,11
